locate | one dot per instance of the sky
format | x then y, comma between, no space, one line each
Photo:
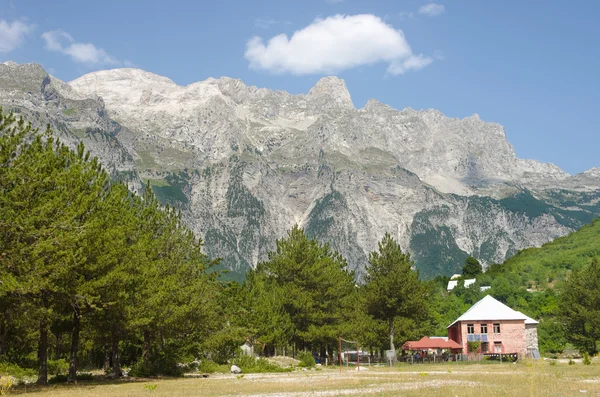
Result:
532,66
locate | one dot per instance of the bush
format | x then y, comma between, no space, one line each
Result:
571,362
58,367
6,383
157,365
224,345
586,358
16,371
209,367
306,360
63,378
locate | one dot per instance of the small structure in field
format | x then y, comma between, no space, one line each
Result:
494,328
433,345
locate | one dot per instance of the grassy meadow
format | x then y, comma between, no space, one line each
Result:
448,379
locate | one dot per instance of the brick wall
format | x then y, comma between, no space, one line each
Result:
511,337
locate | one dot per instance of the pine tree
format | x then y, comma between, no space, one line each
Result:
393,290
579,308
314,286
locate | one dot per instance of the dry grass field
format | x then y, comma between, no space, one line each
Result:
522,379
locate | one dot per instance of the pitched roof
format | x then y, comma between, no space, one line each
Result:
529,320
489,308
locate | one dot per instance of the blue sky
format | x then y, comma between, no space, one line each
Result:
532,66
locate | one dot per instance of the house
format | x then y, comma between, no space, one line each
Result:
468,282
498,329
453,283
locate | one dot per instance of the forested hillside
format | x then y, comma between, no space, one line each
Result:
551,263
532,282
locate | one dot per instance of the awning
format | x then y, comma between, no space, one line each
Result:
431,343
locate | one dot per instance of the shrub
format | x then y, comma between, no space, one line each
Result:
58,367
571,362
63,378
6,383
16,371
306,360
586,358
209,367
160,364
224,345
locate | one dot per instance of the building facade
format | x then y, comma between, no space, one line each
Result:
496,328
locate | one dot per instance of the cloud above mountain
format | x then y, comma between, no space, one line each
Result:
12,34
432,9
87,53
335,44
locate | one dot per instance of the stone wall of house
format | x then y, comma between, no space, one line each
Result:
531,336
511,339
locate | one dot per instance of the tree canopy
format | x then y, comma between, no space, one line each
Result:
472,268
393,289
579,308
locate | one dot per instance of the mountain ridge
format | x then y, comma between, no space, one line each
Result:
244,164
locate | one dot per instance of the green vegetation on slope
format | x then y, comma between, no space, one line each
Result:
554,260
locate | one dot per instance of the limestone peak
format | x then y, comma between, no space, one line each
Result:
332,87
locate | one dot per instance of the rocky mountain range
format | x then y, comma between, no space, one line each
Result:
245,164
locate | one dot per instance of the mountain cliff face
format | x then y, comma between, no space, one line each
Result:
245,164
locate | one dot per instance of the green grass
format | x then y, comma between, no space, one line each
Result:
449,379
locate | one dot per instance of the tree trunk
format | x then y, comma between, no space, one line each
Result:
392,347
146,349
116,359
43,352
106,364
4,334
74,345
58,346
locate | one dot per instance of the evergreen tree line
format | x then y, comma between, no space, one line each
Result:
97,276
90,271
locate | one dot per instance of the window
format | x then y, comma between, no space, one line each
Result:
485,347
497,347
470,329
484,328
496,328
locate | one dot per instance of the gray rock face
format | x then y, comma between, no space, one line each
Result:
29,91
245,164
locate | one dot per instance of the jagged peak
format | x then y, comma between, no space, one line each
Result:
333,87
10,63
593,172
374,105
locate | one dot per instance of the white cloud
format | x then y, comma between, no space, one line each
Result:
432,9
13,34
87,53
334,44
414,62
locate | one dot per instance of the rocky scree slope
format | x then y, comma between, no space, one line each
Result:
245,164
